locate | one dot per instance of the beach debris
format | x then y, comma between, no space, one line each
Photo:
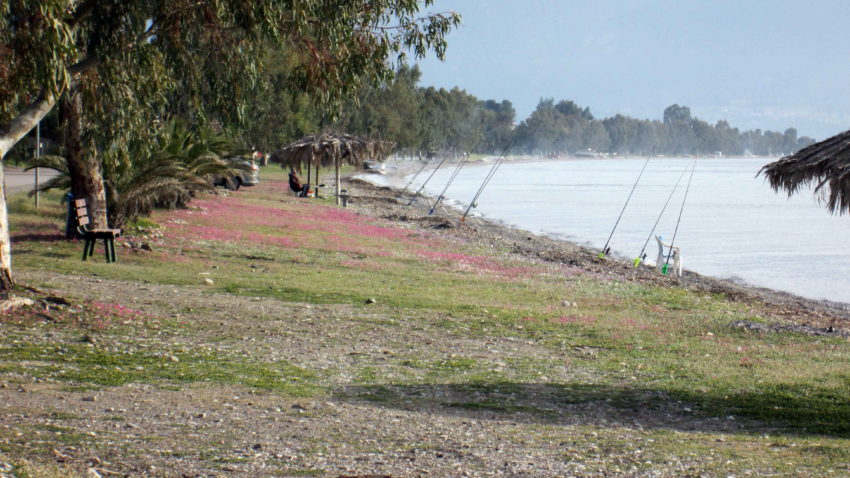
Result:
793,328
14,303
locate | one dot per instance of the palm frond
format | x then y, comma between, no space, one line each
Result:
61,182
172,174
48,161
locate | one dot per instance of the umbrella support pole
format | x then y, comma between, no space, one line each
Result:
336,169
309,170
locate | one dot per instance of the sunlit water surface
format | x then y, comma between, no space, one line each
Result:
733,225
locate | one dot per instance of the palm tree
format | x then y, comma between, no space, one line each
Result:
166,177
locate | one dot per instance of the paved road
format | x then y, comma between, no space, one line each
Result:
18,180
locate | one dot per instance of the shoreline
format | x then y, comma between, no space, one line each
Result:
813,315
400,168
404,345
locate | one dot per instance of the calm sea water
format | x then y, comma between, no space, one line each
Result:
733,225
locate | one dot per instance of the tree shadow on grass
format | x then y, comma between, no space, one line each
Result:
793,411
37,237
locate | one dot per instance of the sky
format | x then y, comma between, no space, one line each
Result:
760,64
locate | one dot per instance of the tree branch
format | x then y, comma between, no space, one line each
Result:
83,66
18,127
81,13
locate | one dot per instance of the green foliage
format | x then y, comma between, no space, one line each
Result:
36,44
277,115
425,120
62,182
139,64
182,164
428,119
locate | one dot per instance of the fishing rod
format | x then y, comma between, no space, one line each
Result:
676,230
453,176
489,176
451,179
425,165
418,191
607,250
642,255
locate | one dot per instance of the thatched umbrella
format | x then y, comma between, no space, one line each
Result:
330,149
825,164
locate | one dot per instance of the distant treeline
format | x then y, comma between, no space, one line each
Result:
429,119
426,120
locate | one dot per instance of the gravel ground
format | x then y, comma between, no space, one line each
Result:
204,430
200,430
386,203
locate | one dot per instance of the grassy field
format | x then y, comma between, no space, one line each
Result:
297,300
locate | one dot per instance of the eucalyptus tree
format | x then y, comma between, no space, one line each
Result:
277,115
433,127
139,58
388,111
498,124
544,131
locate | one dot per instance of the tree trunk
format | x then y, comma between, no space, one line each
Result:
10,134
84,169
5,249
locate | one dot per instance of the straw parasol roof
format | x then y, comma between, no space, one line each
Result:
327,149
825,164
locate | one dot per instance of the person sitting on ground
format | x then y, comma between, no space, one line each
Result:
295,184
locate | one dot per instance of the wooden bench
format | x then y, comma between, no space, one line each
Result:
90,236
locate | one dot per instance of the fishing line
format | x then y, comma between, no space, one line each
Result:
453,176
642,255
413,179
672,242
416,194
489,176
606,250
